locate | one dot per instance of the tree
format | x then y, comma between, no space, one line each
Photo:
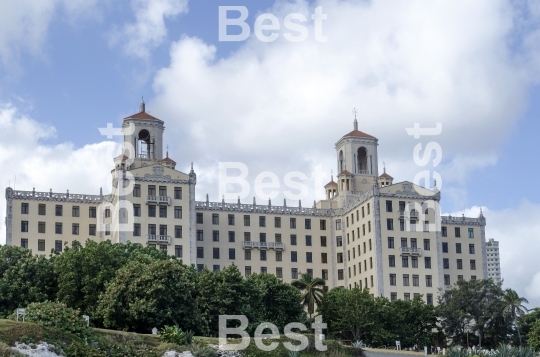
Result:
312,289
533,336
513,307
527,321
24,279
146,294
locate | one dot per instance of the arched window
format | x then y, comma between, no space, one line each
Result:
145,145
362,161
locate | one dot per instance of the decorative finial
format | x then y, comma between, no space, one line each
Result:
192,166
223,199
284,202
299,203
167,147
207,200
481,214
269,202
384,167
254,203
100,191
314,204
355,111
332,175
238,199
142,107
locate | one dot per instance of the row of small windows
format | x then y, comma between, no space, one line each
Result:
357,215
415,280
458,248
161,189
459,264
262,238
262,221
407,297
153,211
58,210
263,256
457,232
405,262
411,228
413,241
354,250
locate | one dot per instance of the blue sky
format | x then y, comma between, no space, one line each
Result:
68,68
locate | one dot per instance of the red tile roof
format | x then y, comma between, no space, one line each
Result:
167,159
331,183
345,172
143,116
359,134
386,175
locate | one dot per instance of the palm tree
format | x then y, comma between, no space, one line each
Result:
313,291
514,307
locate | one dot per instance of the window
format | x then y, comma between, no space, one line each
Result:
200,236
262,221
151,190
308,241
24,226
247,236
405,279
457,232
370,244
293,223
263,255
247,270
177,211
340,274
324,258
24,208
416,280
294,273
41,245
427,262
247,254
232,237
178,251
58,228
338,224
429,299
215,236
459,263
445,247
323,241
136,230
136,210
426,244
407,296
444,232
426,226
470,233
232,254
108,213
388,206
230,219
137,190
215,218
151,211
403,242
199,218
293,239
323,224
340,257
262,237
458,248
413,225
339,241
215,253
162,229
393,296
460,277
446,263
246,221
389,224
58,245
107,229
368,208
473,264
390,242
429,281
294,256
152,229
279,256
309,257
405,262
370,263
75,211
473,277
279,273
178,193
24,242
75,229
392,261
92,212
200,252
278,238
42,209
324,274
414,261
471,248
277,222
393,279
58,210
307,223
447,280
177,231
41,227
402,225
413,243
163,212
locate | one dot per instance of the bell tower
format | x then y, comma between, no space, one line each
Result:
143,136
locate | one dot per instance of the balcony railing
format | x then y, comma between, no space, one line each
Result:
155,238
363,172
263,245
408,214
410,250
158,199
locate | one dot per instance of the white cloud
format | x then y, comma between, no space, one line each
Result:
149,31
276,105
59,167
518,231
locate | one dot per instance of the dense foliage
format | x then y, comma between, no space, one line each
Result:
57,315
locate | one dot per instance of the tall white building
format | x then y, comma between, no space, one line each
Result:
493,260
369,231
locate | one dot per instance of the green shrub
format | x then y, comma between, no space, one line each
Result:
174,334
204,351
58,315
6,351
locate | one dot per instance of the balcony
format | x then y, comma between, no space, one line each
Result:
410,251
263,245
154,238
408,214
158,199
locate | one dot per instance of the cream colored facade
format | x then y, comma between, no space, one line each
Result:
368,232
